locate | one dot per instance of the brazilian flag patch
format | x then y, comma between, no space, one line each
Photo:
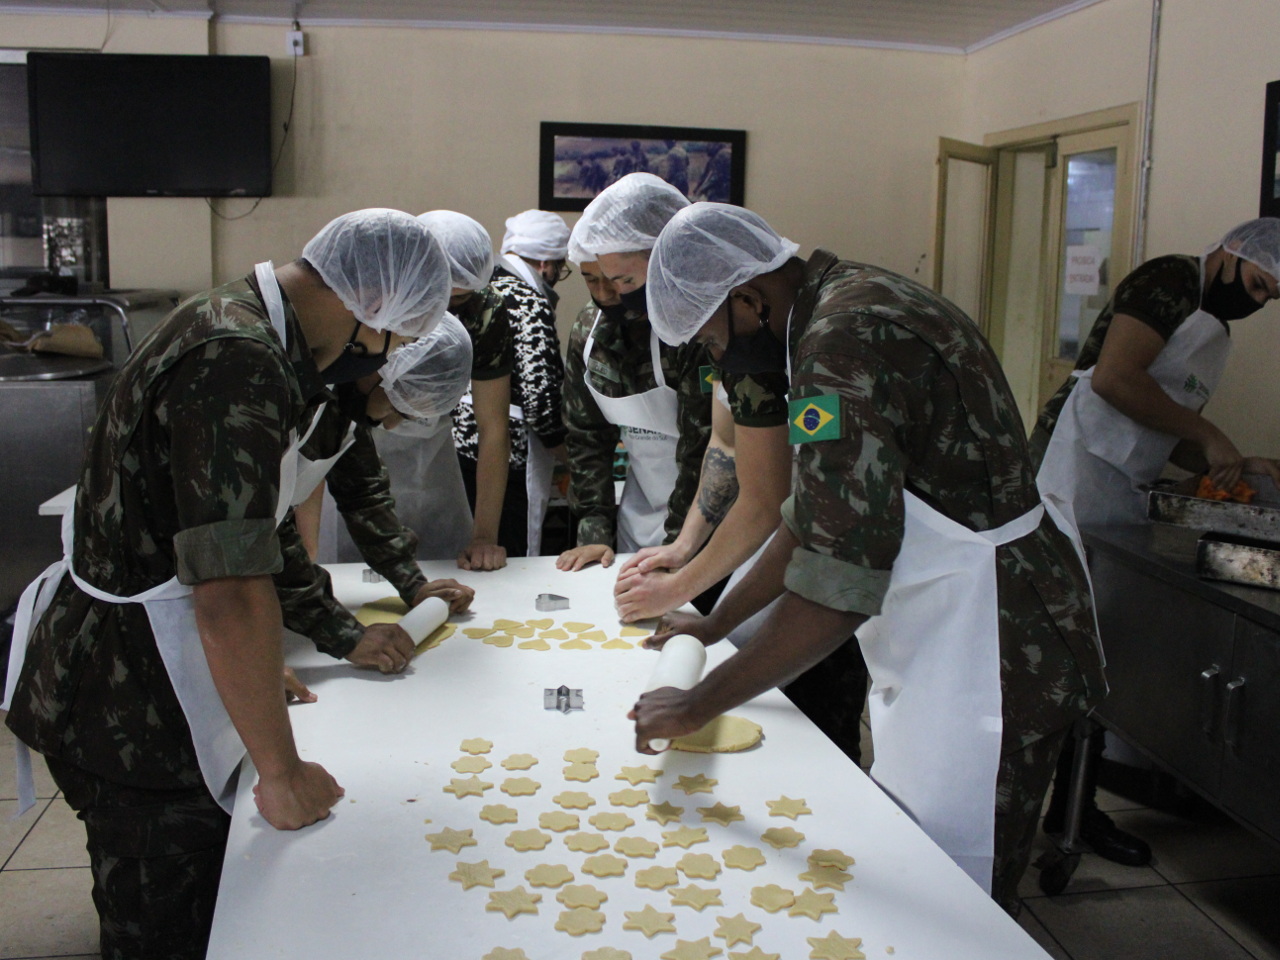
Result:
814,418
707,375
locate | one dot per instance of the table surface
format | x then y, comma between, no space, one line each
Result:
366,883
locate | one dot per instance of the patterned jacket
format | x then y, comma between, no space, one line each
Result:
621,366
921,404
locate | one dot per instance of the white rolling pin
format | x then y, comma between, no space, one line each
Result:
419,622
679,665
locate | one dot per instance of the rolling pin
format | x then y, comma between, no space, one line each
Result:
679,665
419,622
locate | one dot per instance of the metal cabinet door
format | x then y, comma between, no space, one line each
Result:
1168,653
1250,728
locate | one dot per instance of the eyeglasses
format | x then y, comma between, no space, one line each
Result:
564,273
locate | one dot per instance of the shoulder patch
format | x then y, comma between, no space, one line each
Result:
707,377
814,418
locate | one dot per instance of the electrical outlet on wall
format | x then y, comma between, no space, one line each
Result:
297,43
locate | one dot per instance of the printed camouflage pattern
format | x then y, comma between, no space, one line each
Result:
757,399
181,478
1162,293
925,406
621,366
1021,785
490,331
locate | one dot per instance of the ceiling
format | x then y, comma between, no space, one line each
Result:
955,26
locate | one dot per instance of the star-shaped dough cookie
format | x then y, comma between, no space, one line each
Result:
832,858
736,930
611,821
558,820
548,875
701,865
582,895
696,897
813,905
822,876
586,842
743,858
635,775
580,920
519,761
663,812
693,950
476,745
699,783
780,837
604,865
649,921
755,953
472,786
513,902
581,755
499,813
520,786
476,874
471,765
655,878
574,800
772,897
451,840
523,840
629,797
721,814
636,847
606,953
835,947
784,806
581,771
684,837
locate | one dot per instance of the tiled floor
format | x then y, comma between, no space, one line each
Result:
1210,893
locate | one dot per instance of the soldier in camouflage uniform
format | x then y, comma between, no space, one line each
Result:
181,485
894,392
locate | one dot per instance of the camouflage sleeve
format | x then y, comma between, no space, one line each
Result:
847,508
306,597
361,489
683,368
757,399
1161,293
226,409
491,345
590,441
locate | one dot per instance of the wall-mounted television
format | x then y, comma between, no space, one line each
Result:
147,125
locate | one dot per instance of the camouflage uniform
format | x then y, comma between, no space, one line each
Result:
1161,293
621,366
181,477
924,406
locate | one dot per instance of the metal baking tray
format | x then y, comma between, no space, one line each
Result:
1254,563
1259,520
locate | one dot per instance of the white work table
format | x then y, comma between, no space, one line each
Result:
365,883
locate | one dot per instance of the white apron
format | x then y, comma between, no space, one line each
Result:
650,431
311,473
171,612
1098,458
934,658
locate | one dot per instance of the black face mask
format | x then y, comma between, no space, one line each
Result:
1229,301
354,404
634,300
614,312
761,352
355,361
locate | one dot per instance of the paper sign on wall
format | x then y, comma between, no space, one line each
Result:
1083,264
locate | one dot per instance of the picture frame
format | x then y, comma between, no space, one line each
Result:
578,160
1269,199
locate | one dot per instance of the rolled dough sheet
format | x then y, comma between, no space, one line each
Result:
724,734
390,610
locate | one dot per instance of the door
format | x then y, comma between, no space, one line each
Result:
1250,717
1089,191
964,234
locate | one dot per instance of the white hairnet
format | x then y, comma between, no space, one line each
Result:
386,268
1257,241
537,235
627,216
703,253
427,377
467,245
576,254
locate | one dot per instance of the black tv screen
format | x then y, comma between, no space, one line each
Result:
146,125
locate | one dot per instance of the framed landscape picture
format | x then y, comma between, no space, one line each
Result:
578,160
1269,202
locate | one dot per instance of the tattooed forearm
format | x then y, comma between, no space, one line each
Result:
719,485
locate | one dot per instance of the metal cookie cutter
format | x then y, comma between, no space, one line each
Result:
561,698
371,576
551,601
